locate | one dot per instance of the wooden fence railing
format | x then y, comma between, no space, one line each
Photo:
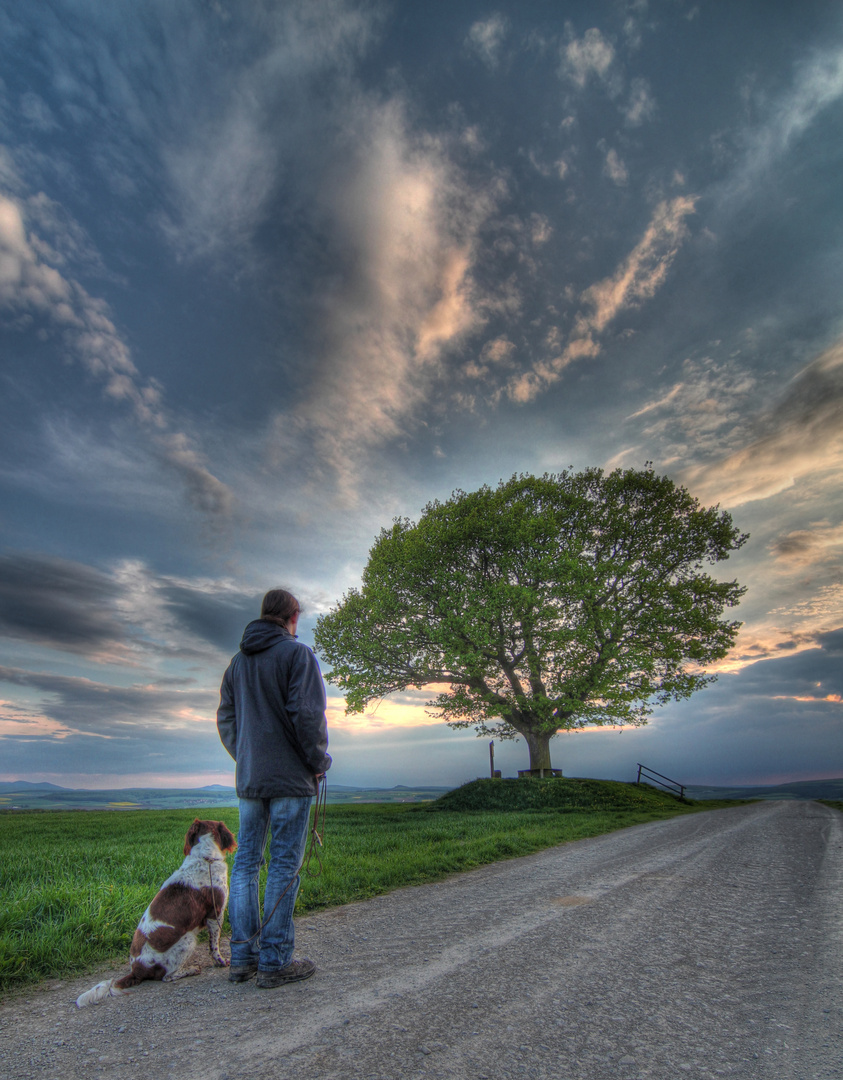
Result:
662,781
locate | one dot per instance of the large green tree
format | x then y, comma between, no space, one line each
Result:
549,603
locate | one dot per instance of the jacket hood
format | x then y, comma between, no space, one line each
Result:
262,634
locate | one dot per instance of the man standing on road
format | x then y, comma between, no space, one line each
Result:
272,721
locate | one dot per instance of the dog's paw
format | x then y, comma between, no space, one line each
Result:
220,961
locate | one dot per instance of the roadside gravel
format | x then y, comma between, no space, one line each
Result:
703,946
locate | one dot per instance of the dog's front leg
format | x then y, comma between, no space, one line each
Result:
214,942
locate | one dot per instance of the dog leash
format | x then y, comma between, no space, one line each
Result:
210,863
304,867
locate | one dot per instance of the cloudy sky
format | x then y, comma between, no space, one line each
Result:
274,272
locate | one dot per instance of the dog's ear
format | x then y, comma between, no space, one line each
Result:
192,836
225,837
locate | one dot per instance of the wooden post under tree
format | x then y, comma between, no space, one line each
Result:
495,773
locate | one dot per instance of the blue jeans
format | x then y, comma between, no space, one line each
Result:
287,819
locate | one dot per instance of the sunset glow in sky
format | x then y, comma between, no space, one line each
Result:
274,273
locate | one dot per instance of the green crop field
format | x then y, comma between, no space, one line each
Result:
74,884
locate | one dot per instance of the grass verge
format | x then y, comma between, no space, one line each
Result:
73,885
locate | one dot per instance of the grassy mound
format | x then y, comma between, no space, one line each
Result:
559,793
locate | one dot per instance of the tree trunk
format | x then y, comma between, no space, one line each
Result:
539,745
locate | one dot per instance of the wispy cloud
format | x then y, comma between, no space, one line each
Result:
139,729
594,60
31,288
645,269
701,417
391,713
30,724
227,152
821,542
615,168
485,39
97,708
659,403
817,85
588,57
636,280
800,436
197,103
640,105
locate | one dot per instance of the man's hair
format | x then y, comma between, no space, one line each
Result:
279,606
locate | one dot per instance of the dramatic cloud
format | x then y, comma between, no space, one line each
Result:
309,265
60,604
720,738
218,618
405,223
127,614
283,133
814,674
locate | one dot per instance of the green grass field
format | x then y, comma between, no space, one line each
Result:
74,884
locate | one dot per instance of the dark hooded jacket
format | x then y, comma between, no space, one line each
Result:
271,717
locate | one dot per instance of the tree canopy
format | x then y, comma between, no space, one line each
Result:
549,603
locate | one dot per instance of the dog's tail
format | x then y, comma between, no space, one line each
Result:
109,988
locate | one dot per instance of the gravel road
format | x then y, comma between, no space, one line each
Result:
703,946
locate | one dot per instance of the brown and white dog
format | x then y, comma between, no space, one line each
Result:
193,897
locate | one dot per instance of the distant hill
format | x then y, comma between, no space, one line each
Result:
25,785
50,797
23,795
795,789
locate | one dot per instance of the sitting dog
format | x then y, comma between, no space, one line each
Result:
194,896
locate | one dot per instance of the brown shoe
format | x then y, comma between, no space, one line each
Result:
295,971
242,973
